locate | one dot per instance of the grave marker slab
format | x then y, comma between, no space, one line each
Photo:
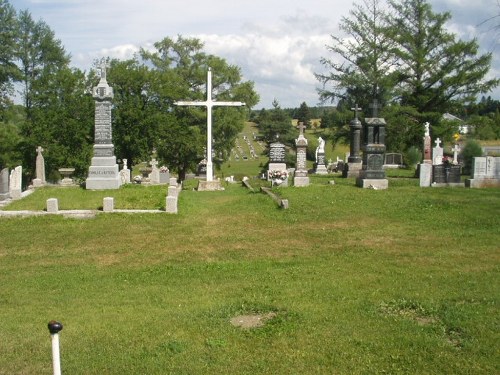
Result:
15,181
4,184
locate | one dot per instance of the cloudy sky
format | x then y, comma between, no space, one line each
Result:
276,43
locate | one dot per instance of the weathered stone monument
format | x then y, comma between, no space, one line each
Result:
4,184
373,175
485,172
425,172
154,176
125,173
277,164
209,103
103,171
15,182
320,157
354,162
300,178
40,168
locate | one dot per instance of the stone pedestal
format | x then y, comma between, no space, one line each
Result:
425,174
300,181
352,169
209,185
376,184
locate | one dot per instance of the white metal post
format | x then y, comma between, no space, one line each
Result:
54,328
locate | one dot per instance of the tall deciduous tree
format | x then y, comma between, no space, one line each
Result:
179,73
436,70
58,113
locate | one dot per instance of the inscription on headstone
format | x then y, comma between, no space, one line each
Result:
277,153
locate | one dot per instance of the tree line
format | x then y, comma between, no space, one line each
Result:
57,110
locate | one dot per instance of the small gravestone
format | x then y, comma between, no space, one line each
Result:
108,204
125,173
393,160
40,168
277,170
164,175
4,184
52,205
172,181
437,153
373,175
15,182
320,157
485,172
300,177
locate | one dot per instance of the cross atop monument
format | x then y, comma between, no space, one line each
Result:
375,107
209,103
356,109
39,150
437,141
301,128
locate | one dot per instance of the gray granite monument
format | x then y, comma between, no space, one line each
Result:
485,172
40,168
300,177
277,164
4,184
354,162
103,171
373,175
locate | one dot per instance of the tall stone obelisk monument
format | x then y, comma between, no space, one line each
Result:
103,171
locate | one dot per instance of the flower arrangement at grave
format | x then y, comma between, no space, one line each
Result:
277,177
448,161
163,169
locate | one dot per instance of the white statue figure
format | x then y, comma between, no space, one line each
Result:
427,134
321,147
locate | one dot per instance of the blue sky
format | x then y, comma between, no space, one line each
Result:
277,43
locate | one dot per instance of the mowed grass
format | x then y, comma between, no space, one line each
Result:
401,281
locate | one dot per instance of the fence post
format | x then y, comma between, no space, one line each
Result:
54,328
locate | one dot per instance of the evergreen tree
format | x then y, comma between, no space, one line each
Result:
436,71
275,124
366,69
304,114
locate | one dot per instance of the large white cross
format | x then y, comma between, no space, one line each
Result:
209,103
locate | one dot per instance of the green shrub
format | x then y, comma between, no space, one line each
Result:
413,156
471,149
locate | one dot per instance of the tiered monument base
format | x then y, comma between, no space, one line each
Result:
209,185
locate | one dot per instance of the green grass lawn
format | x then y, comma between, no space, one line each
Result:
400,281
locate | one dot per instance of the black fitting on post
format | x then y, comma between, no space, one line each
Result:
54,327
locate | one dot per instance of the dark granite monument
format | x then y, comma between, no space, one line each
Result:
373,175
